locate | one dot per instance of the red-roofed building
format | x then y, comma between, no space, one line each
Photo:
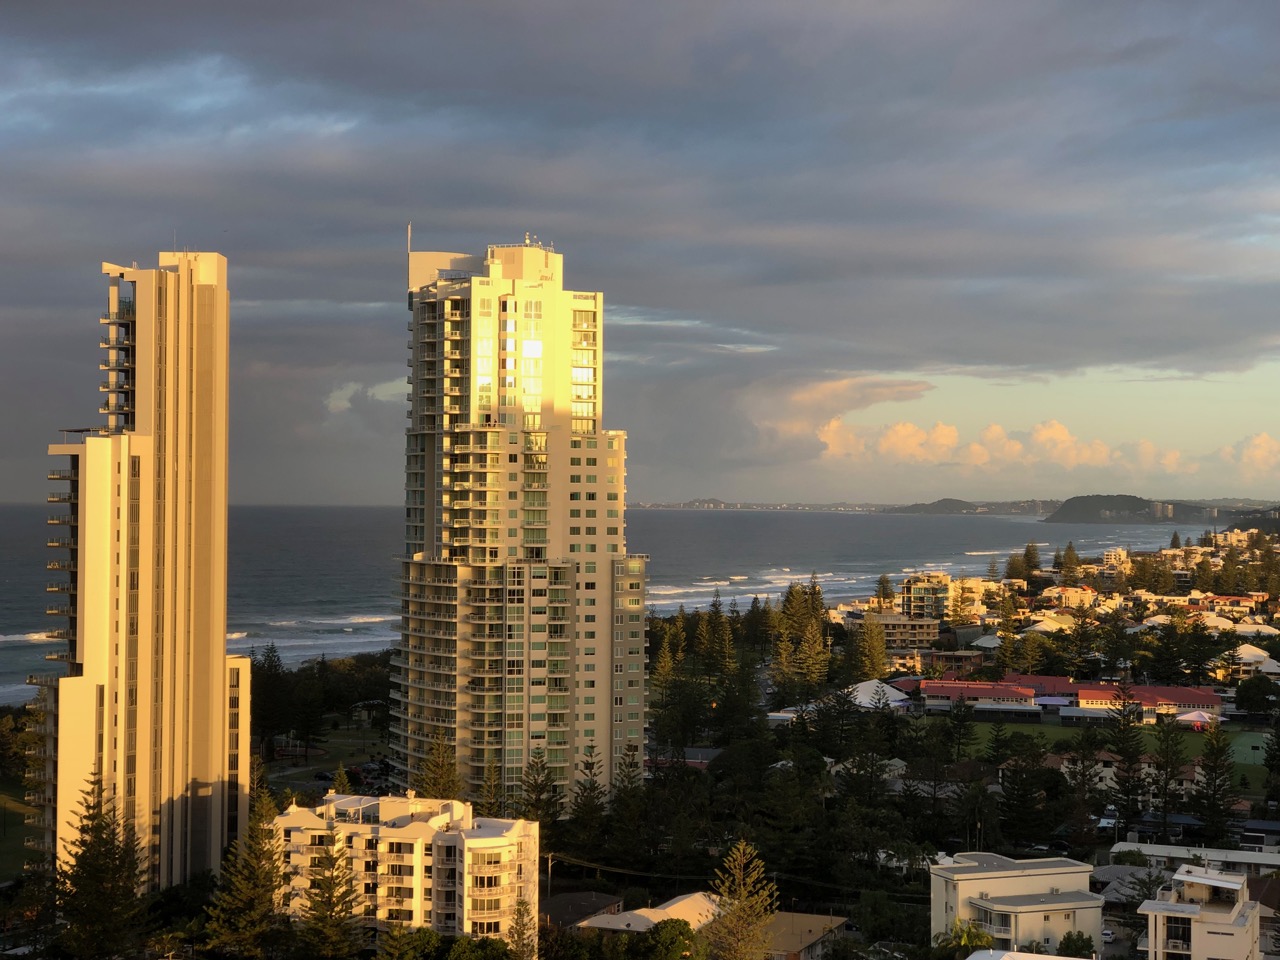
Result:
938,692
1044,686
1154,700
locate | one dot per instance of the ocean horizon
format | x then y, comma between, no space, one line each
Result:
321,580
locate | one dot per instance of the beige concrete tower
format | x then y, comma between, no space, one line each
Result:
523,615
151,702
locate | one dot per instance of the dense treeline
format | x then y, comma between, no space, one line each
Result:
293,703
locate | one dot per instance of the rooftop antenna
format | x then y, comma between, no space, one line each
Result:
408,238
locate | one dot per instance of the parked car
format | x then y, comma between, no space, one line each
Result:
1108,936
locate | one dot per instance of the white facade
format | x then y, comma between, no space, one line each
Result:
1016,901
151,703
523,615
417,862
1202,914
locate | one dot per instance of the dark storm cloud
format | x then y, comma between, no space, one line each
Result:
785,193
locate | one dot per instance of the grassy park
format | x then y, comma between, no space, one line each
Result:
13,828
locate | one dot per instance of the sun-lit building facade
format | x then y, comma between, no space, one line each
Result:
150,704
523,614
416,862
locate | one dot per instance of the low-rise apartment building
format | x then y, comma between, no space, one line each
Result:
1016,901
901,632
1202,914
416,862
1247,862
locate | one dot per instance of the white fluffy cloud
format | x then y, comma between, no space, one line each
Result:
1045,446
1253,457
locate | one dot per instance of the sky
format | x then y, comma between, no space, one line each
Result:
854,251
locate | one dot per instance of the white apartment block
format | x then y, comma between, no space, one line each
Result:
417,862
1202,914
150,702
1016,901
523,614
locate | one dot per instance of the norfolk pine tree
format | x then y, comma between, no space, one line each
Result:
329,928
522,935
866,654
748,900
884,593
341,782
588,805
1170,756
437,778
246,917
97,891
1128,745
539,797
1215,792
493,792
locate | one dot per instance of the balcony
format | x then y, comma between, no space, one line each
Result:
58,610
62,496
995,929
61,543
65,519
65,566
116,342
116,406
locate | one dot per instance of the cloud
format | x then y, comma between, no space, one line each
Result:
1047,445
340,400
1051,441
1255,457
806,213
907,443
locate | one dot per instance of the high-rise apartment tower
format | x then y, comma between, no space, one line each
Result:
151,704
523,614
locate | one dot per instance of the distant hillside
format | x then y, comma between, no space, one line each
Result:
945,505
1267,520
1124,508
1103,508
950,506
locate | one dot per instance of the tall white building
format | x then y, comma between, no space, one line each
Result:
150,704
523,614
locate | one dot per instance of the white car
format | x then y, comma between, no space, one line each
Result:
1108,936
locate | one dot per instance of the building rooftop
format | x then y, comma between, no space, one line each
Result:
978,864
1066,899
696,909
793,932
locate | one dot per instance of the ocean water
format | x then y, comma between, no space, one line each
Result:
320,580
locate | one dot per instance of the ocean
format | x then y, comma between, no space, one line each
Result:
320,580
